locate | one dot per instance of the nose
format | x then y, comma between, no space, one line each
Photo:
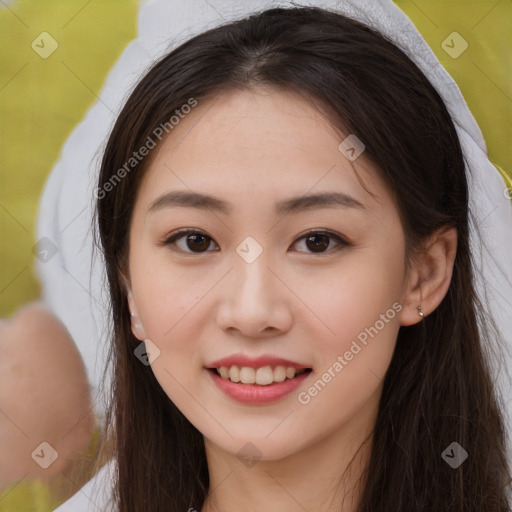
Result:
254,300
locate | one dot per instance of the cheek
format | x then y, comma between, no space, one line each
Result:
353,296
360,304
170,304
359,308
166,294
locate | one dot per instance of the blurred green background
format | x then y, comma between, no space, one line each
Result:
42,100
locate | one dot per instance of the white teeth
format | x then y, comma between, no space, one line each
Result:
290,373
279,373
234,374
263,376
247,375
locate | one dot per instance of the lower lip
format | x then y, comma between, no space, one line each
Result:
254,393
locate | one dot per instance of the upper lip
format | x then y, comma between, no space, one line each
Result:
255,362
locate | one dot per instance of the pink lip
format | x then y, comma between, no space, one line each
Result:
254,394
258,362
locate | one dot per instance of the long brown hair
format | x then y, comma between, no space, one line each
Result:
438,387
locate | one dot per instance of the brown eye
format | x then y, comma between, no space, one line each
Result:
320,241
198,241
317,243
195,241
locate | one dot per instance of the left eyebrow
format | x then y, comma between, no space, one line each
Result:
316,201
183,198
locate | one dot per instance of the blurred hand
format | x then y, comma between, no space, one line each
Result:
44,396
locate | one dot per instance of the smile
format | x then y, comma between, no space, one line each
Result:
263,376
252,393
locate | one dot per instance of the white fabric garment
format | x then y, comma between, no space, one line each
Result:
78,298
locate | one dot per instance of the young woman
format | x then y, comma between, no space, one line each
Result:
283,213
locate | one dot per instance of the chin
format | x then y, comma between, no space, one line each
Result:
252,449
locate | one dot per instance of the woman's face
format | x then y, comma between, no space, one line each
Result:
270,274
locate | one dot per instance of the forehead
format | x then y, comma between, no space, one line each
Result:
251,145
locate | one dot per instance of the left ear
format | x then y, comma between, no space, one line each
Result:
430,275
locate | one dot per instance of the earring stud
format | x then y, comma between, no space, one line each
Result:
420,312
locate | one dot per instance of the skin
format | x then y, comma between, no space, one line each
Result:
44,396
253,149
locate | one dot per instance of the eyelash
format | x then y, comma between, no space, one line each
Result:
342,243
